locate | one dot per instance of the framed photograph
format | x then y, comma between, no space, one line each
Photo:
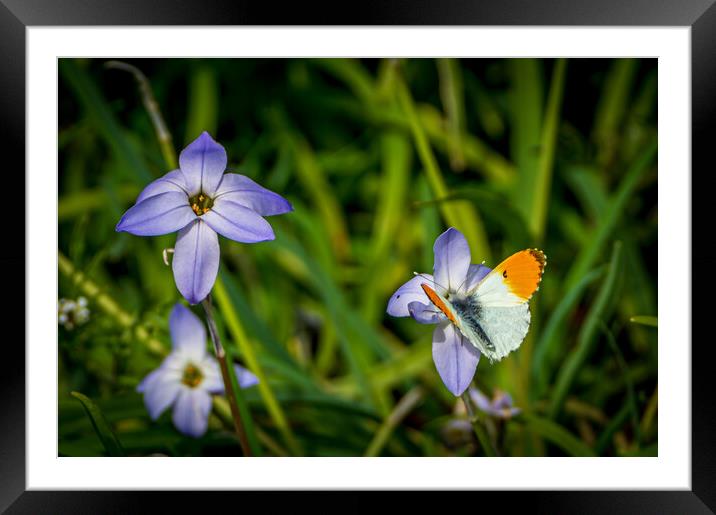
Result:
420,252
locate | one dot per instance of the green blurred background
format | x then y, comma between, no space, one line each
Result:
378,158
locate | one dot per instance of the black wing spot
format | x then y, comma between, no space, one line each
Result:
504,274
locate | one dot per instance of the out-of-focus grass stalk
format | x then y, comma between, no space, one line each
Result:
101,426
548,144
615,422
612,108
316,186
587,335
203,103
649,413
389,373
589,255
556,434
645,320
103,119
82,202
477,154
452,96
457,213
549,340
390,213
108,305
624,368
479,431
526,99
152,107
352,73
249,354
404,406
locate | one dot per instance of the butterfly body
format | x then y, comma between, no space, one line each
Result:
494,315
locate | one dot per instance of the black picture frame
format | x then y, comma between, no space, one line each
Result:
17,15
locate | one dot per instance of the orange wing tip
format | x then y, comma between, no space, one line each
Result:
523,271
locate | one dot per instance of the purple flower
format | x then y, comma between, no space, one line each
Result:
199,201
187,377
454,356
499,407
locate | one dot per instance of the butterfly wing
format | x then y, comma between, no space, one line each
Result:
501,315
512,282
499,330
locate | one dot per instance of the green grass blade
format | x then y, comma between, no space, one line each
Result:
203,104
615,423
103,119
526,99
246,346
612,108
389,217
101,427
453,100
589,254
457,214
624,369
401,410
315,184
556,434
545,162
645,320
552,333
587,334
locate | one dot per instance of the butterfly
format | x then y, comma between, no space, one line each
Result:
494,315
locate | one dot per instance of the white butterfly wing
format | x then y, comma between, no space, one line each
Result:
499,330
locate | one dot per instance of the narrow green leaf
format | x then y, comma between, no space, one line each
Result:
526,99
203,104
457,214
246,347
101,427
389,216
600,236
612,107
453,100
645,320
99,112
551,336
587,334
624,369
545,162
616,422
556,434
401,410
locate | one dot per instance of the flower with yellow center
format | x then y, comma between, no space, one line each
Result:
188,376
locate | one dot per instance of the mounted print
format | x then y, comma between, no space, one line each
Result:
339,257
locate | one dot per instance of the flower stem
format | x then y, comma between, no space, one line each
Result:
477,427
230,392
152,107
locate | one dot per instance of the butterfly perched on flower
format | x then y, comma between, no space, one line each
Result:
478,310
494,314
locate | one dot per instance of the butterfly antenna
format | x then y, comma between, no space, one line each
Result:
467,275
432,280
